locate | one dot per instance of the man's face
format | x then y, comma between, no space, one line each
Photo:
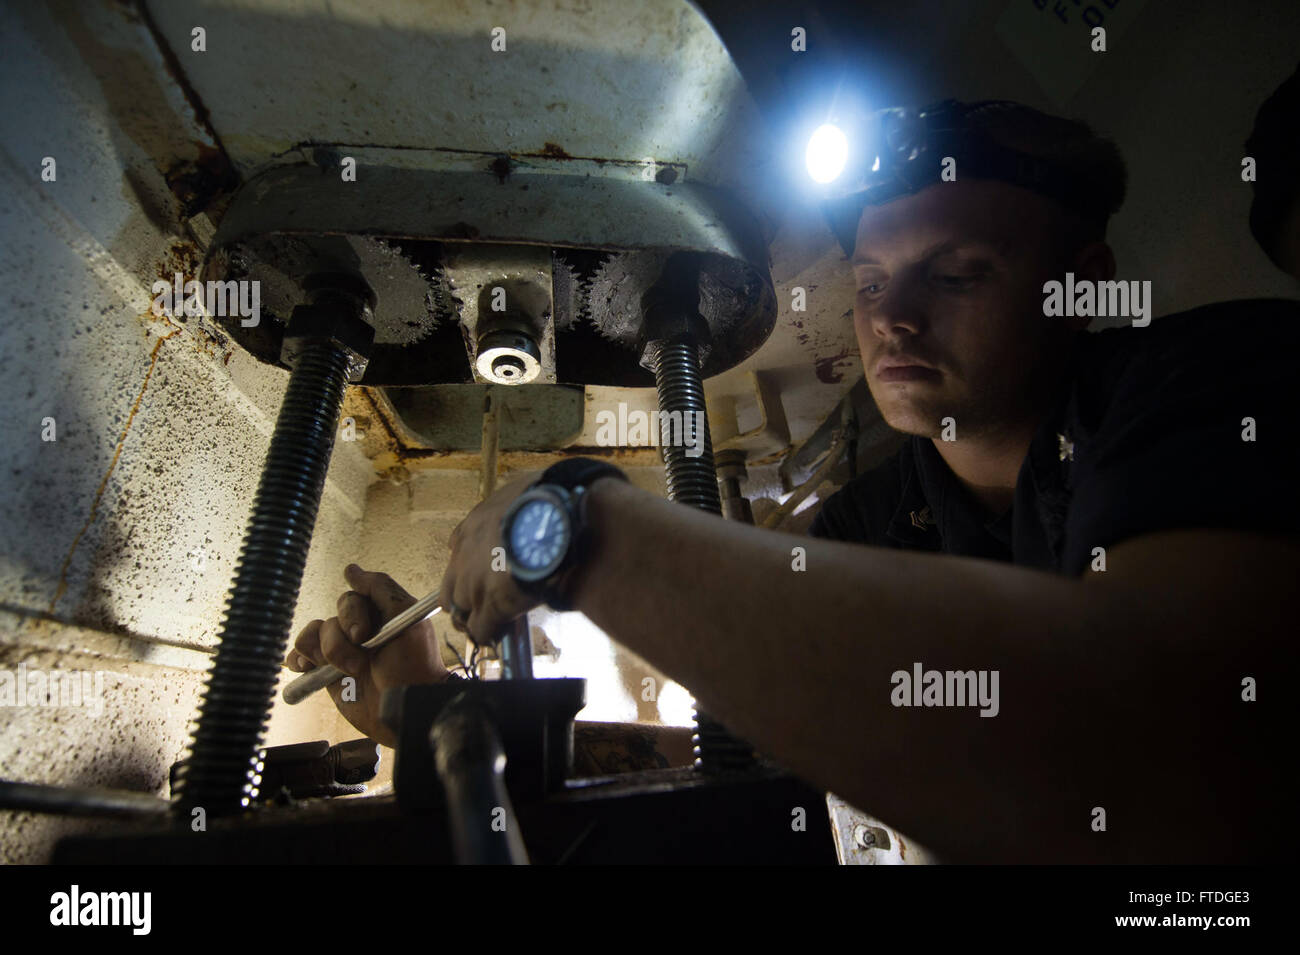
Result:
1288,247
949,306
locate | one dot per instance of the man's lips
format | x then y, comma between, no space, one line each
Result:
904,369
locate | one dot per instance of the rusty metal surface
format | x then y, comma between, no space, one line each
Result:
523,274
592,90
535,208
152,105
861,839
397,450
403,312
450,417
424,213
614,81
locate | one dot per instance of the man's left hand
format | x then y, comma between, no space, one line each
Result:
478,590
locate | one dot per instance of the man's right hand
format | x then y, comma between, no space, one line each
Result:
413,657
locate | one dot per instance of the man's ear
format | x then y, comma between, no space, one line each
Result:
1095,262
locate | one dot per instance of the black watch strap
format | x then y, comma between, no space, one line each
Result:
575,475
578,472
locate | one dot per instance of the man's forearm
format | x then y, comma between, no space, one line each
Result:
799,662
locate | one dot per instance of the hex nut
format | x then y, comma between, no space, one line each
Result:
730,465
333,319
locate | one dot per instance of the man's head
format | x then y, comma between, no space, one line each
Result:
1275,145
949,303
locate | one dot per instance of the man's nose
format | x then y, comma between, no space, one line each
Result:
896,314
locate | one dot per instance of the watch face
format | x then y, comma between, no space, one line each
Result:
539,535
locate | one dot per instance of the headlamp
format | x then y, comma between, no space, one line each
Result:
905,151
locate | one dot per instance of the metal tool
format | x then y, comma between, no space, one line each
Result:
323,676
78,800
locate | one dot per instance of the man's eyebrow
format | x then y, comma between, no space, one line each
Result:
944,248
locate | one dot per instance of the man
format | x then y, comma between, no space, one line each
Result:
1104,522
1274,144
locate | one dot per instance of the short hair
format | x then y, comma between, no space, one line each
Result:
1274,144
1091,163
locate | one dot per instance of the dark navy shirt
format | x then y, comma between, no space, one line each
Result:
1149,435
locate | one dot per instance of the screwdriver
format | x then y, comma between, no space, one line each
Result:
307,684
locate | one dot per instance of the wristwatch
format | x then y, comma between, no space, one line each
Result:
545,531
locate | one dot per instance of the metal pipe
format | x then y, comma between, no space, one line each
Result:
78,801
491,439
731,471
838,439
516,650
471,765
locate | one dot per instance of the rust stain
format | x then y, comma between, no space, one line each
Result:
394,459
198,183
393,439
178,138
668,172
184,257
103,484
825,368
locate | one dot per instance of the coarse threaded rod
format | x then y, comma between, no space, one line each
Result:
691,480
237,699
694,481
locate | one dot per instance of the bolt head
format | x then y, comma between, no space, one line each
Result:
335,321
